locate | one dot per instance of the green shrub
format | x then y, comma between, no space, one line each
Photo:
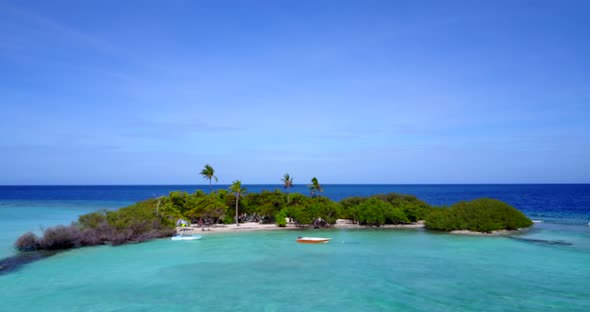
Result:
207,207
281,218
413,208
378,212
266,203
228,219
396,216
347,206
301,214
371,212
92,220
306,211
297,199
480,215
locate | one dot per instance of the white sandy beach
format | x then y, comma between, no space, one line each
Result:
340,224
254,226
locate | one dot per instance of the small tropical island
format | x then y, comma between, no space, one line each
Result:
165,216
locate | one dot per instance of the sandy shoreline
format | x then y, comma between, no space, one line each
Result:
340,224
254,226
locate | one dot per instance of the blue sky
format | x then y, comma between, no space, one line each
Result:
147,92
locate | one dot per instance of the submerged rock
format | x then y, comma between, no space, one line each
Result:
541,241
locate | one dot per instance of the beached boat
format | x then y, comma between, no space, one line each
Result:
185,237
312,240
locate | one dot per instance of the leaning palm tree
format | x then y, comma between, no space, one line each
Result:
315,188
238,190
209,173
287,184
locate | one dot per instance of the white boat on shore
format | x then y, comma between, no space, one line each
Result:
312,240
181,237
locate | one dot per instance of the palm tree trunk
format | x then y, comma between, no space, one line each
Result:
210,187
237,221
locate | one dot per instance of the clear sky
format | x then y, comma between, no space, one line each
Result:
147,92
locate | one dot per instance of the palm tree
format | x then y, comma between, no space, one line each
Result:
287,184
209,173
315,187
238,190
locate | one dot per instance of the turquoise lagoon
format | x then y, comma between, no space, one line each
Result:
359,270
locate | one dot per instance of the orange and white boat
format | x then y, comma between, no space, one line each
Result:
312,240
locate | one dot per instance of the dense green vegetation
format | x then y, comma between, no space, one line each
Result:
317,211
267,207
156,217
377,212
480,215
221,207
413,209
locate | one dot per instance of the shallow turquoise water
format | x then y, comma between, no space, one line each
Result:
360,270
371,270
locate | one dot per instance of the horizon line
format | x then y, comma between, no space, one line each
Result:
305,184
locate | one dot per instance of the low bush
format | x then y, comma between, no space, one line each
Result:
413,209
27,242
265,203
378,212
317,211
371,212
281,218
480,215
61,237
347,206
135,223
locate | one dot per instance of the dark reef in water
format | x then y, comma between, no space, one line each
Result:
11,264
541,241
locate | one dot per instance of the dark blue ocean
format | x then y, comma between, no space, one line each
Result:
564,203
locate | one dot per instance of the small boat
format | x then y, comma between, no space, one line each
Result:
312,240
537,221
185,237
